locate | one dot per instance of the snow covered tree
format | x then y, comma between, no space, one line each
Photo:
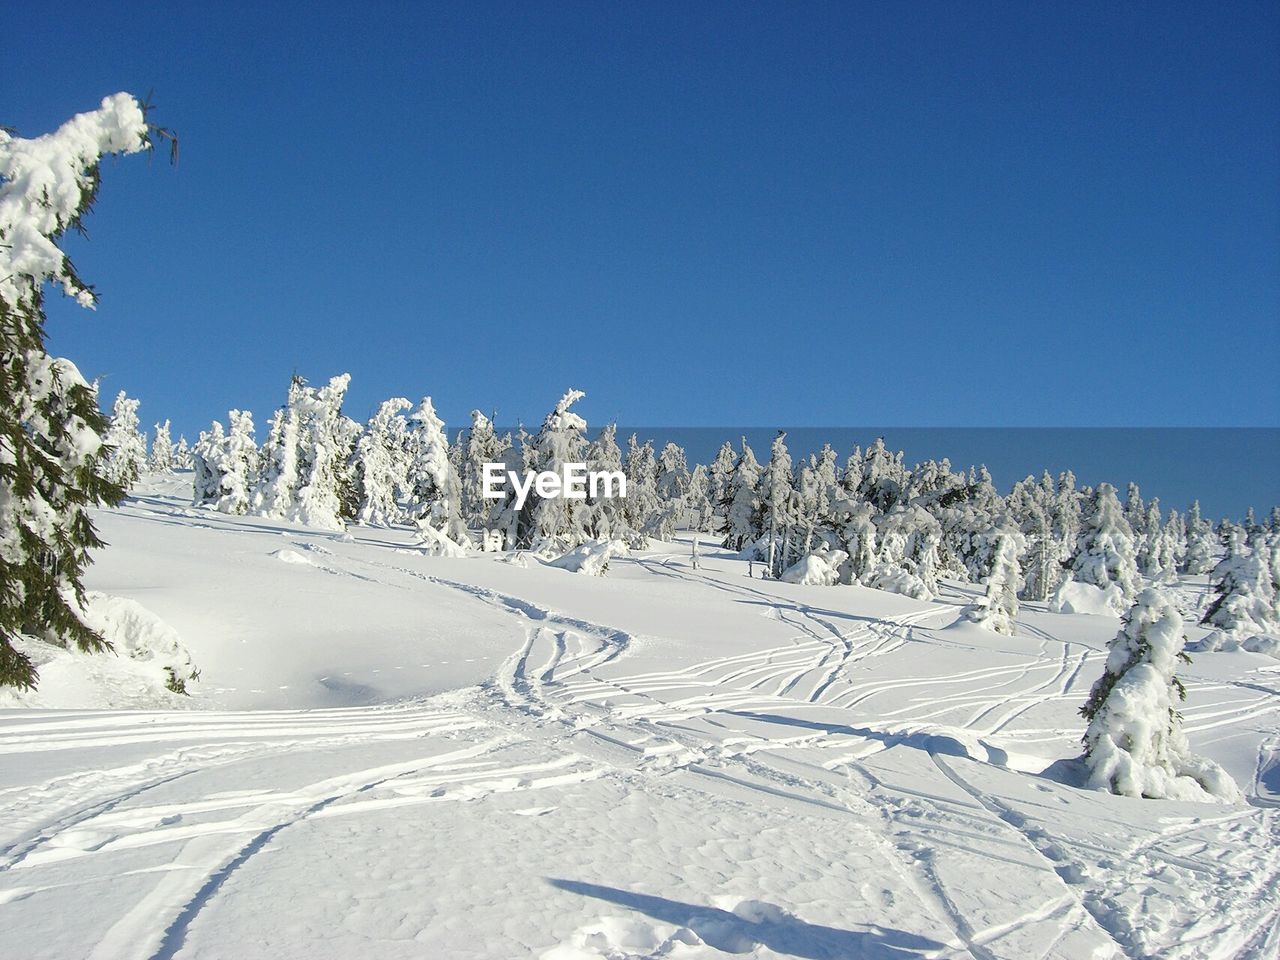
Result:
238,464
161,459
721,477
997,609
641,508
671,485
853,522
126,447
778,503
742,506
206,459
1066,514
306,476
607,515
1244,604
698,500
50,425
1105,553
483,446
1043,569
435,494
1202,545
1134,744
382,464
181,454
557,523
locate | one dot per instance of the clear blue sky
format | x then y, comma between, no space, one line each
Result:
804,214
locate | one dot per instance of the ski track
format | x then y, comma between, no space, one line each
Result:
559,687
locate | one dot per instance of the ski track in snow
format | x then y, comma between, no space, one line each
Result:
916,772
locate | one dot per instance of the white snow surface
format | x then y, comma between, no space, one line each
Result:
392,754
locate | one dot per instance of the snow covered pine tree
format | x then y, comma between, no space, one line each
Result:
50,425
1134,744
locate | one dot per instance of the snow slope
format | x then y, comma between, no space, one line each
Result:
397,755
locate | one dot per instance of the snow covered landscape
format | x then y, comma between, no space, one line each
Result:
346,680
395,754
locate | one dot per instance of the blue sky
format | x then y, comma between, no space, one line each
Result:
804,214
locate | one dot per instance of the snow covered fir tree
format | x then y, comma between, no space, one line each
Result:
58,459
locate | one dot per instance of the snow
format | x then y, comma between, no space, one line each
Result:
394,754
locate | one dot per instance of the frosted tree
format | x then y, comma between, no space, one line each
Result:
854,524
237,465
777,503
998,607
1149,538
382,464
1244,603
742,507
701,514
641,508
483,446
671,484
206,460
826,483
306,475
1105,553
182,454
1135,512
1042,568
1134,744
882,479
50,425
126,447
1066,516
557,523
1202,545
607,515
435,494
161,459
721,491
278,476
325,441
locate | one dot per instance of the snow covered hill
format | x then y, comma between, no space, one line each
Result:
395,755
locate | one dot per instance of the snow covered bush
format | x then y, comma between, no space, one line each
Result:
135,632
1134,745
590,558
50,425
820,569
1074,597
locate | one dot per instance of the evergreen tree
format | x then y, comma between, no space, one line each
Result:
671,485
1066,517
997,609
126,447
483,446
1043,569
698,499
162,455
742,507
556,524
50,425
641,508
855,530
1202,545
778,504
1134,744
721,490
435,494
182,455
1244,604
608,520
1105,555
238,464
382,464
206,459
